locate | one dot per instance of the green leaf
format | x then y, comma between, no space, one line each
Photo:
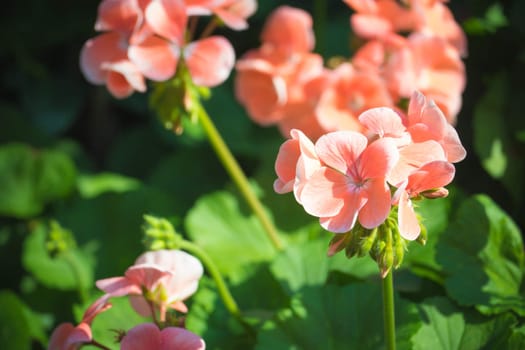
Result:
69,270
482,256
334,317
233,240
91,186
18,325
446,327
307,264
30,178
493,20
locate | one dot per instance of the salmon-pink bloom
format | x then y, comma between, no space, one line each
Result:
168,276
289,29
148,336
104,60
351,185
68,337
431,176
350,93
425,121
267,81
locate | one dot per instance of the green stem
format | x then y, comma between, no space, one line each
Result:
238,176
224,292
388,311
73,264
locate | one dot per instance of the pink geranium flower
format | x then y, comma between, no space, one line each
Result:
352,183
69,337
159,279
148,336
232,12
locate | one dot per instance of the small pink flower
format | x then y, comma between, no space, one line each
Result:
148,336
68,337
168,277
232,12
352,183
431,176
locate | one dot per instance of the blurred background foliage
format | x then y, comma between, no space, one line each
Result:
70,152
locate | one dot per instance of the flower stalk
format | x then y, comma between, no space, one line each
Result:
224,292
238,177
388,311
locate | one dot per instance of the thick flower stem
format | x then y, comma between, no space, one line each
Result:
224,292
238,176
388,311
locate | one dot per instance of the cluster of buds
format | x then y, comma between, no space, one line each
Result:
363,186
405,46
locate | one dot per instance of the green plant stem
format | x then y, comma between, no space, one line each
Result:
388,311
238,176
224,292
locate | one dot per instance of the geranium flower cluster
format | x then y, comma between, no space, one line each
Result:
351,179
149,39
406,46
157,282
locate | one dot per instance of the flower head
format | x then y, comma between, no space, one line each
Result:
162,278
148,336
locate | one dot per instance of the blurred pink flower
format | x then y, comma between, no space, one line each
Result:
232,12
351,184
69,337
161,278
148,336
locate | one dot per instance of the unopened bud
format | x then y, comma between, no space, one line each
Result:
352,248
399,248
422,238
367,242
338,243
440,192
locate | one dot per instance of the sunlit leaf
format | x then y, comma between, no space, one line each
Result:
482,256
233,239
332,317
68,270
446,327
93,185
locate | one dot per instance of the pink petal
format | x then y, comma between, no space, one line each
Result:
81,334
383,121
168,19
118,86
345,220
100,305
105,48
147,275
415,107
59,336
341,148
431,175
370,26
155,58
453,148
412,157
140,305
123,78
289,29
378,159
323,195
118,286
118,15
377,207
210,60
407,220
141,337
285,165
180,339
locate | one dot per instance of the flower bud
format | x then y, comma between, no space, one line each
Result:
440,192
367,242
